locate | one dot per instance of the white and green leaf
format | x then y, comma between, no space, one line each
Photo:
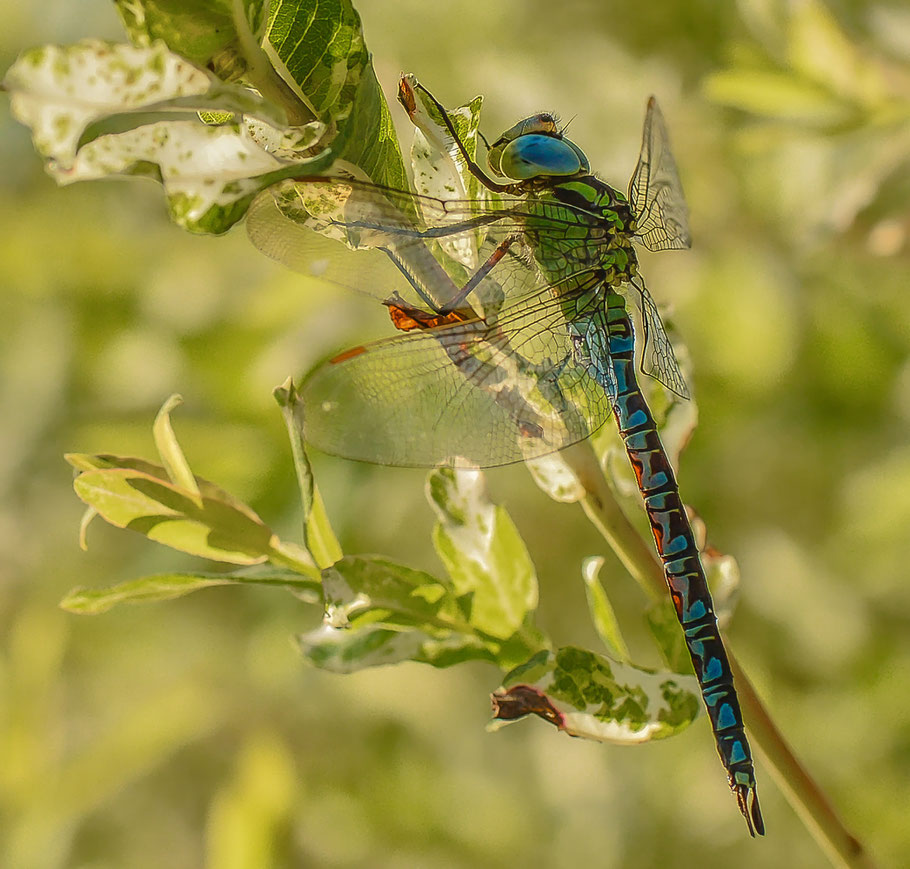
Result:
98,109
439,167
346,650
555,477
587,695
318,536
482,552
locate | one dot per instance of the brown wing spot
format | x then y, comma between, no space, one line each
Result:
348,354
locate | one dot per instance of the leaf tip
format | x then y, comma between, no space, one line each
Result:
89,514
172,457
74,601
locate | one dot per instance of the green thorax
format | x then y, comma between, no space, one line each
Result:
578,228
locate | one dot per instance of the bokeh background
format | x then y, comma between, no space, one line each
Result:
190,734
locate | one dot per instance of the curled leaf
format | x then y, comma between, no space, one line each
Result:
178,469
169,515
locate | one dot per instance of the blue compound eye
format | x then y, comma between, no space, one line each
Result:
532,155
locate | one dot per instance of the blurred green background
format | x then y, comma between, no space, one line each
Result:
189,734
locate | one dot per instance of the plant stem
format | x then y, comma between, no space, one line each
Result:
602,508
262,74
799,788
294,558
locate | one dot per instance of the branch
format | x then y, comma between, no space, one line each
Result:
261,73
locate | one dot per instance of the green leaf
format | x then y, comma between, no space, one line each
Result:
106,461
346,650
175,463
368,589
199,30
483,553
584,694
664,627
602,611
319,538
319,46
216,118
167,514
167,586
279,551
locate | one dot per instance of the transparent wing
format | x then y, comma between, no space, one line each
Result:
657,358
474,393
406,227
296,245
655,190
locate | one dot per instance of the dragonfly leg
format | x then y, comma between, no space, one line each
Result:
458,295
501,250
412,280
406,98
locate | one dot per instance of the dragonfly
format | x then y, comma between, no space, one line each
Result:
523,345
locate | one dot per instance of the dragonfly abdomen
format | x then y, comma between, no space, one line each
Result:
678,551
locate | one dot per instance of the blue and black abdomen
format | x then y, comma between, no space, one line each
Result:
613,366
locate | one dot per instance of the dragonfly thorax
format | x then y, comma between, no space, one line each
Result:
597,227
536,148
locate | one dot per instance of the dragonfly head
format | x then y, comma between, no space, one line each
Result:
534,148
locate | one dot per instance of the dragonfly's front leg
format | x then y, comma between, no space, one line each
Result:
501,250
406,98
411,274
